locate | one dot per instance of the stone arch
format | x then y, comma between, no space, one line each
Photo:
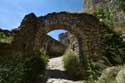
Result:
44,30
88,30
85,27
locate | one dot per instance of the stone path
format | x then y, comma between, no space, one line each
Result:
56,72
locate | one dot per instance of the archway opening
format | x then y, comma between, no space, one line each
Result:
55,33
60,38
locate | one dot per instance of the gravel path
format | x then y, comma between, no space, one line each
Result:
56,72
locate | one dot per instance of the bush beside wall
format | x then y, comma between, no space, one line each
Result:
15,68
72,65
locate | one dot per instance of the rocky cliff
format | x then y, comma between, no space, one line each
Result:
91,4
118,16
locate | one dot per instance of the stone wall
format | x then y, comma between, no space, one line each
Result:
64,38
54,48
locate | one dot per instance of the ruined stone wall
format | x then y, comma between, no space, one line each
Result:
54,48
70,41
64,38
86,28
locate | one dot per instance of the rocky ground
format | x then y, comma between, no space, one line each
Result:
56,72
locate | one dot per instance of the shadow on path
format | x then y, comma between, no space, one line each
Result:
58,74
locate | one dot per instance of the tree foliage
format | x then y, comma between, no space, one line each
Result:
104,14
121,4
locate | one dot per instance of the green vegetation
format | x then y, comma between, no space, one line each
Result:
72,65
115,48
112,15
121,4
21,68
104,14
4,38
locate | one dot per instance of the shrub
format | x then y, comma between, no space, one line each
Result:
104,14
15,68
72,65
114,48
5,39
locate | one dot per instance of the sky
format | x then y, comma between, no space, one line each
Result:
13,11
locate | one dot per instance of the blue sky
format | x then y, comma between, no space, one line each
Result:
13,11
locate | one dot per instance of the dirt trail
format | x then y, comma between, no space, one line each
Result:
56,72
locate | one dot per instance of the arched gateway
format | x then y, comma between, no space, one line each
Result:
88,30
